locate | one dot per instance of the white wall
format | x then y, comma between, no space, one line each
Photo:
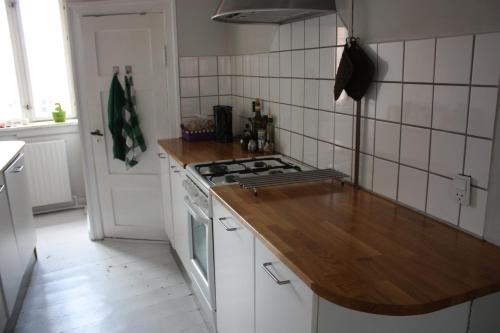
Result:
197,34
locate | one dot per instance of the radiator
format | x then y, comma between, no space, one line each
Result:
48,174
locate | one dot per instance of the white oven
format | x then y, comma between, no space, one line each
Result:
201,249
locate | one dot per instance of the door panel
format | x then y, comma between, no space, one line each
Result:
130,199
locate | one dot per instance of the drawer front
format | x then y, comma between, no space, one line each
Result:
234,273
283,302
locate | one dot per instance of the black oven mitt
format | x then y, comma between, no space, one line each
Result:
344,73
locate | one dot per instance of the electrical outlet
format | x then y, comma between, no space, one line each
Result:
462,189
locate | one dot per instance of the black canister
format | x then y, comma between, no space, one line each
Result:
223,119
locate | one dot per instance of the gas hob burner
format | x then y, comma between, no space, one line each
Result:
230,178
217,169
259,164
275,172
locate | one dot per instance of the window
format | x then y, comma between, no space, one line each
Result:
35,61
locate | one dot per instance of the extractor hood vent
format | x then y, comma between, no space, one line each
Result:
271,11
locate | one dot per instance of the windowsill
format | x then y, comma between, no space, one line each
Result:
40,127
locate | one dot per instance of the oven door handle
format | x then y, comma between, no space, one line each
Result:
195,212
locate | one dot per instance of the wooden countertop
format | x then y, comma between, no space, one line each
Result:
186,152
9,150
363,252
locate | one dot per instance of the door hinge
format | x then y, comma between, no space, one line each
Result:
12,4
28,107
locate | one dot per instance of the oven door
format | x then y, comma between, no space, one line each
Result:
201,252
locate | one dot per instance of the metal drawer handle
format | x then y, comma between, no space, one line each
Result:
222,219
266,266
18,169
2,188
162,156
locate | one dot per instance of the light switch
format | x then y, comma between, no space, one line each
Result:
462,189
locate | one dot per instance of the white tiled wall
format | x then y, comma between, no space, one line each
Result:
429,114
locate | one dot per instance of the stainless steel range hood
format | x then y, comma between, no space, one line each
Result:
271,11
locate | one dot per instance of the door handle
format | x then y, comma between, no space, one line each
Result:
221,221
97,132
162,156
266,266
2,188
18,169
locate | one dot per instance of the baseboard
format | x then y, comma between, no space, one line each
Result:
77,203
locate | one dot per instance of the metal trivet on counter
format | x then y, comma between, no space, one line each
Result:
252,183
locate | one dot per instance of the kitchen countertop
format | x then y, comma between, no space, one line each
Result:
9,150
186,152
366,253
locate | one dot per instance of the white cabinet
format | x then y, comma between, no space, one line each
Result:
179,212
166,195
283,303
20,207
234,273
11,271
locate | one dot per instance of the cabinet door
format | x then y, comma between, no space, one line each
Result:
179,213
234,273
166,195
283,303
20,207
11,271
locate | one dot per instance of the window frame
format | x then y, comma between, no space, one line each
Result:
19,51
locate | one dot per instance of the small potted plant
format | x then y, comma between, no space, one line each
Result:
59,115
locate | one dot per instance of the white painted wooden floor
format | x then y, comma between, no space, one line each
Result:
109,286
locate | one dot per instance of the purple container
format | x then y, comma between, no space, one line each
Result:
202,135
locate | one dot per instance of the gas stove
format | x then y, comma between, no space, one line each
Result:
226,172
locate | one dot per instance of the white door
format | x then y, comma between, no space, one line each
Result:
131,199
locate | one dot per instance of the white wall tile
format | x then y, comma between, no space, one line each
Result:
482,110
254,65
284,142
286,64
264,88
310,151
478,160
453,59
207,105
325,126
344,104
447,153
343,130
325,155
298,63
298,92
297,122
342,32
274,89
190,87
255,87
328,30
188,66
369,102
239,65
412,187
472,218
274,64
440,201
311,122
367,137
327,63
298,35
389,101
365,171
190,106
274,110
372,53
239,85
297,146
342,160
312,64
415,142
326,99
312,33
285,37
285,116
247,87
285,91
450,108
275,41
226,100
224,65
264,64
208,66
417,104
387,140
419,60
385,178
390,61
224,85
311,96
486,68
209,86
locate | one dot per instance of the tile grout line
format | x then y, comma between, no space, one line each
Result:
400,122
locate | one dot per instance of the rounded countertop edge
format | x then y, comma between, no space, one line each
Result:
325,293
